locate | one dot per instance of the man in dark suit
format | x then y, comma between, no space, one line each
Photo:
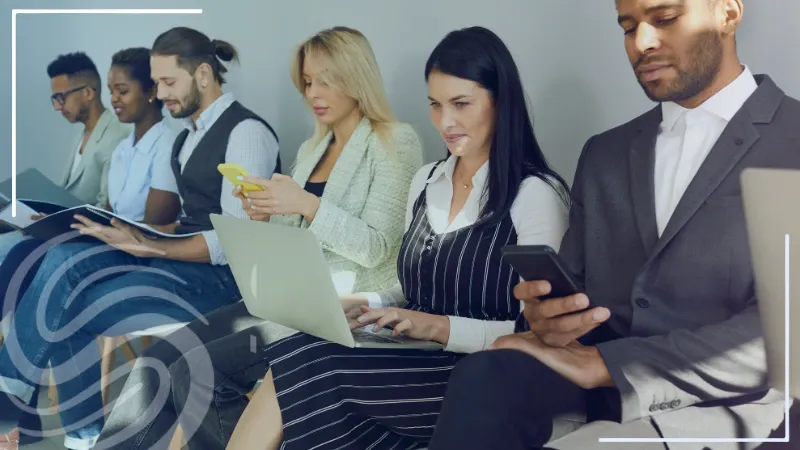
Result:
670,345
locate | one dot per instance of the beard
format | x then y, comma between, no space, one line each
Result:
82,115
704,60
190,104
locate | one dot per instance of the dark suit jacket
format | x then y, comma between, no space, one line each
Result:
693,356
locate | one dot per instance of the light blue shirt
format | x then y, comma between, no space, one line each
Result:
133,168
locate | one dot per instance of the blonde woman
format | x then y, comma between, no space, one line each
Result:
349,186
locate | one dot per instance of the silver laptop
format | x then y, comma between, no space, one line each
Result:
772,213
283,278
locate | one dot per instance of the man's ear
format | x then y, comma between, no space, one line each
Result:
90,92
204,75
731,12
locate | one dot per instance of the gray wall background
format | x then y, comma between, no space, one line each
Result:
570,54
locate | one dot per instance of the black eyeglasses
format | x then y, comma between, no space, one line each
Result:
59,98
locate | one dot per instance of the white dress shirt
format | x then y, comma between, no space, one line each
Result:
251,145
133,167
539,215
686,137
76,163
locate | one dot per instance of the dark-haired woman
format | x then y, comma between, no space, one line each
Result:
494,189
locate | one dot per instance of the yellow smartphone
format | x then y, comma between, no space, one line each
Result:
231,171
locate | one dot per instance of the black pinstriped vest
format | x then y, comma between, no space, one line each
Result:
200,183
459,273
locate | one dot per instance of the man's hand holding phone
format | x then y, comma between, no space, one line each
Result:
558,314
558,321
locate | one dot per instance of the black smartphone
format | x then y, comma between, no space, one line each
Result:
541,262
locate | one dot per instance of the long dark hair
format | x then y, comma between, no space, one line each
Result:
194,48
136,63
479,55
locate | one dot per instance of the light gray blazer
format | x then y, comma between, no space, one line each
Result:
90,183
361,218
693,359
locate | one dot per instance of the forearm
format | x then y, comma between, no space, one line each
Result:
162,208
193,249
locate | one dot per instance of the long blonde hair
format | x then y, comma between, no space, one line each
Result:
349,66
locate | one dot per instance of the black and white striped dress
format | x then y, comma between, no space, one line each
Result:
334,397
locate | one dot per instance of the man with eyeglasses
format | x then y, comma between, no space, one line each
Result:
76,88
75,83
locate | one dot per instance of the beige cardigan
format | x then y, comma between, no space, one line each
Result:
360,221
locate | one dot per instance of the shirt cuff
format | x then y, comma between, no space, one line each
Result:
375,300
215,253
464,336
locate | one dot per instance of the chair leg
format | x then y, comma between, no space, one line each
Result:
177,442
146,341
106,363
52,391
128,350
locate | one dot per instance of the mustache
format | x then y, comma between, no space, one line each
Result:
644,59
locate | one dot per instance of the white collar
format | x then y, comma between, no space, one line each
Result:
446,170
210,114
724,104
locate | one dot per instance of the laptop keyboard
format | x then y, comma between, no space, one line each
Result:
362,336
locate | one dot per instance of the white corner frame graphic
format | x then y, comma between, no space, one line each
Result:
14,13
788,401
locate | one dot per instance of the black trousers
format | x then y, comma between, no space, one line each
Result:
508,400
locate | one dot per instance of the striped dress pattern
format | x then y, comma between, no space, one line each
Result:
335,397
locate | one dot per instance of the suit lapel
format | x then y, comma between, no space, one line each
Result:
738,137
641,165
348,163
94,139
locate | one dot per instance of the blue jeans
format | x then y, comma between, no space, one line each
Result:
17,269
84,290
8,241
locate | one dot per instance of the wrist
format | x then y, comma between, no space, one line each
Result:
311,207
442,330
602,375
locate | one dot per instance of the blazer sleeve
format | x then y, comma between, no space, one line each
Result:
370,238
571,250
658,374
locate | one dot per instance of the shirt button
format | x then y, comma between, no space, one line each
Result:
642,303
674,404
653,408
663,406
